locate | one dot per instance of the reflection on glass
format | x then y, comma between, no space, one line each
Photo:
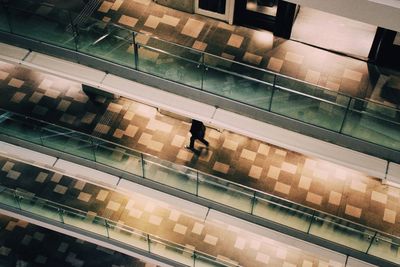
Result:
386,247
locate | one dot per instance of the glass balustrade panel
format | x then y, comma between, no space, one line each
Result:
127,235
171,251
4,26
304,108
203,260
341,231
171,174
107,41
86,221
386,247
169,66
45,23
7,197
20,127
283,212
68,141
374,123
39,207
225,192
118,157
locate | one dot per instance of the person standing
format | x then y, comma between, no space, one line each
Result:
198,131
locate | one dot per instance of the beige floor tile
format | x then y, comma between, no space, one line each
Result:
155,145
273,172
17,98
321,174
184,155
305,182
335,198
214,134
352,75
174,215
314,198
293,57
263,149
3,75
16,83
88,118
254,244
143,2
333,86
240,243
358,186
63,105
41,177
235,40
248,154
130,204
105,7
56,178
389,216
197,228
102,195
152,22
340,174
154,219
307,263
282,188
261,257
13,174
52,93
7,166
288,264
199,45
310,164
275,64
227,56
252,58
281,253
288,167
101,128
180,229
118,133
150,207
146,111
178,141
312,76
255,172
170,20
230,144
221,167
156,125
79,184
67,118
112,107
131,130
85,197
353,211
193,28
112,205
36,97
226,26
46,84
206,156
117,4
280,152
379,197
129,115
210,239
144,139
128,21
60,189
135,213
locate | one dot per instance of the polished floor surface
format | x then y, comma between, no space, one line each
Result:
26,244
302,179
214,237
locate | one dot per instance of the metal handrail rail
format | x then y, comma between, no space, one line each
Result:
312,210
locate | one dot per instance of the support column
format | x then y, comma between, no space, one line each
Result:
284,19
383,50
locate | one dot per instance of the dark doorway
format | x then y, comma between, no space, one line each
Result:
217,6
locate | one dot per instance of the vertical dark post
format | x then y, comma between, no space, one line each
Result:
135,50
285,16
383,51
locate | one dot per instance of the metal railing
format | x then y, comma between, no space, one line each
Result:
362,119
107,228
256,203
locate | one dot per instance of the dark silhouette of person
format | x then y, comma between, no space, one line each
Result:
198,131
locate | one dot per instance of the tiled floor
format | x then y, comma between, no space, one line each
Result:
309,181
25,244
158,218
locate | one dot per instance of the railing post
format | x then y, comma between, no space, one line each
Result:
94,148
311,221
148,242
272,93
194,258
75,31
203,72
106,225
197,183
345,115
135,50
16,197
370,244
60,213
253,202
141,156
